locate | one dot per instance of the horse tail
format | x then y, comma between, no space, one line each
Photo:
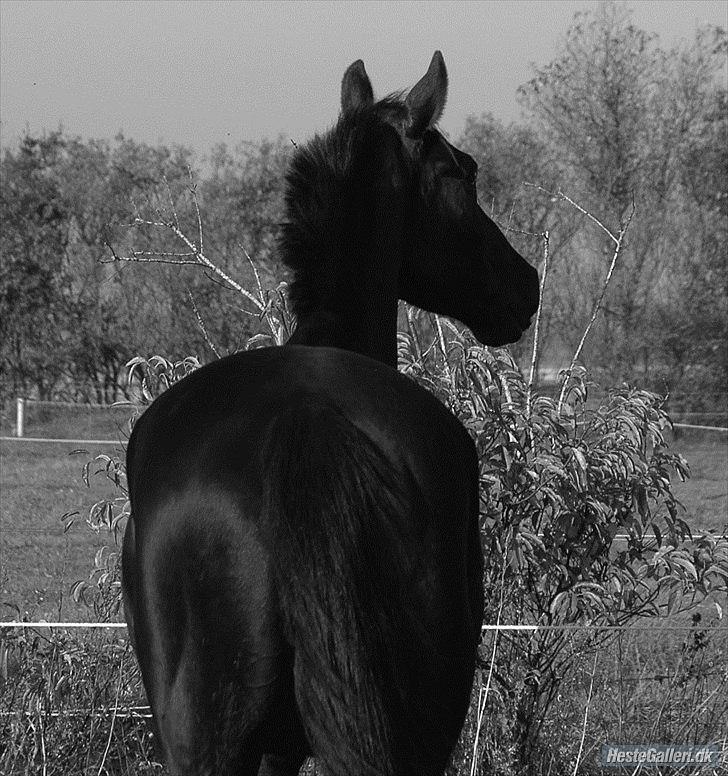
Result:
339,516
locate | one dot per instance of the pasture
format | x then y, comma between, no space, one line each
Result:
84,685
45,542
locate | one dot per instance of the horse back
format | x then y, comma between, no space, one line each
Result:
211,427
203,546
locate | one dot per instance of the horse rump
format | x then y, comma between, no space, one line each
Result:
348,543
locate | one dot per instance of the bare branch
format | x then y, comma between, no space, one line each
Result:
193,254
193,250
537,326
560,195
219,272
222,285
171,201
138,221
114,255
201,324
151,259
163,253
510,216
483,691
193,191
255,272
586,713
618,241
413,332
443,348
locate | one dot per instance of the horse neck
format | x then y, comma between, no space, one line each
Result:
344,291
354,311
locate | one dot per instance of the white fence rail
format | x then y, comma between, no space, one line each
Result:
21,403
627,628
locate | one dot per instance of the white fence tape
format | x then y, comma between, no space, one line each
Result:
64,441
641,628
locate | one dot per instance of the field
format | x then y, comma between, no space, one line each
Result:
41,483
705,494
663,685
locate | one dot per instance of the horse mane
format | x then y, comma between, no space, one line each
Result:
326,185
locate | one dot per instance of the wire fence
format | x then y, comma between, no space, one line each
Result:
582,627
681,420
692,664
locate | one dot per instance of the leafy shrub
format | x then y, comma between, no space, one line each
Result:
571,498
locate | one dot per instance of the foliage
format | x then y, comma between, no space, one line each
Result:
69,318
612,118
625,120
579,522
559,488
32,305
243,197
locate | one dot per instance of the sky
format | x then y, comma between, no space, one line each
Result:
200,73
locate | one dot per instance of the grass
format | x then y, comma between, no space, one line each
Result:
705,494
647,687
40,483
41,557
58,693
70,705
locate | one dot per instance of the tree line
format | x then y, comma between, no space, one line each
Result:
614,121
70,317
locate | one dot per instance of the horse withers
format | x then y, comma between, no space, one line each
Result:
302,570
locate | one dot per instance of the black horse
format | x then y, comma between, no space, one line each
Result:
302,569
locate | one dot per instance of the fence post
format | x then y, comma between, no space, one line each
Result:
19,416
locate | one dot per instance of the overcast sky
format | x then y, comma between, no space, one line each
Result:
202,72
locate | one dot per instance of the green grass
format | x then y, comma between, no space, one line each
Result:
39,484
705,494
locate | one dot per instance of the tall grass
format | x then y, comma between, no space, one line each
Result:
71,705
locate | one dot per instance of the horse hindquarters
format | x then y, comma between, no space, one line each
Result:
384,657
197,590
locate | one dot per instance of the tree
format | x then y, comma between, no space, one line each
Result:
34,323
623,120
511,160
113,311
70,319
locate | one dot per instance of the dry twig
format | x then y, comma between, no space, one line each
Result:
537,325
618,241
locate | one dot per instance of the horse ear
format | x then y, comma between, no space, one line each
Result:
356,88
427,97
